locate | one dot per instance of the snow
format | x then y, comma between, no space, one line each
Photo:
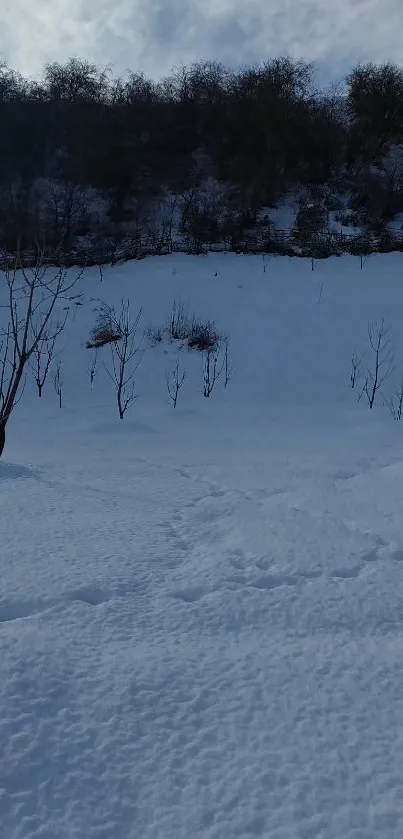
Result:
201,609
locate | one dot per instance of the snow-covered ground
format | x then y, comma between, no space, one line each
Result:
201,609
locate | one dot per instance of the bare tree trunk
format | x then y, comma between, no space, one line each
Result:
12,395
2,437
120,402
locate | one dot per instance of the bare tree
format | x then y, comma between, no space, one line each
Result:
382,368
58,383
44,353
125,357
175,381
159,226
66,204
33,295
213,366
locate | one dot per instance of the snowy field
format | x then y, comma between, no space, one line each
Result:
201,609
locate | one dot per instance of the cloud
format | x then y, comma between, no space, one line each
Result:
155,35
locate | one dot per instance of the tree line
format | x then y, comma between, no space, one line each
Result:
84,154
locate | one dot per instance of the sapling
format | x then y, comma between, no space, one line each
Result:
44,354
125,357
175,381
382,366
213,366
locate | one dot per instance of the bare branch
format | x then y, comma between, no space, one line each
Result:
356,370
44,353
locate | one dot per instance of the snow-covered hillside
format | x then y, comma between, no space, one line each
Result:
201,609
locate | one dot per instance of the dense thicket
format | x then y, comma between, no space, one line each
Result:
84,154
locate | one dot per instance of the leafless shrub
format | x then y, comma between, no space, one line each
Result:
156,336
106,329
203,336
199,335
180,322
44,353
125,357
175,381
383,358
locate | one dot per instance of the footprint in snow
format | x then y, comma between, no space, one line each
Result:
190,595
271,581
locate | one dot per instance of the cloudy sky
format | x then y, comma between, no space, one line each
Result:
156,35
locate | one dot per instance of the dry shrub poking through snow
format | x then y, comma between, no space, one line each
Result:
199,335
106,329
203,336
